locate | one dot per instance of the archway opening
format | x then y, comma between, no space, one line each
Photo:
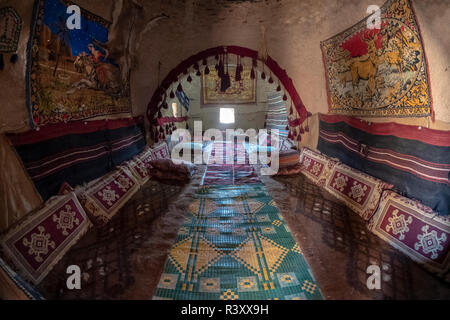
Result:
268,70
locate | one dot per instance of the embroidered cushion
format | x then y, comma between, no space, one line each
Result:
413,229
358,190
65,189
295,169
161,151
288,158
316,166
146,156
35,244
138,169
103,198
176,166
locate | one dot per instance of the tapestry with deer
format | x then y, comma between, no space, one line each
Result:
71,75
378,68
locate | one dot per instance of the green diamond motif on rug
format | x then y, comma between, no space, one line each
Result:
234,246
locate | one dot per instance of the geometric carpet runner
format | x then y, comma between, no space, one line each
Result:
234,244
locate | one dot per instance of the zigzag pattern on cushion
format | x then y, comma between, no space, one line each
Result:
35,244
415,230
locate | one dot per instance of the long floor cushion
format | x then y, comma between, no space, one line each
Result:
36,243
415,230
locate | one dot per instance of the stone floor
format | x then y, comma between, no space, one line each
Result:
124,259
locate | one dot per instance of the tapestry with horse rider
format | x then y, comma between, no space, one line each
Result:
70,74
378,68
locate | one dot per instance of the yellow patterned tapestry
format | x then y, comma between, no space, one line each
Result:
379,71
243,91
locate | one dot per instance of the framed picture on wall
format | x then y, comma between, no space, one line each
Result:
239,92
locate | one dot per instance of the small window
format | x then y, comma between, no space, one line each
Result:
226,115
174,109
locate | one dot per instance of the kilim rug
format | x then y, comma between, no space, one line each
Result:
234,244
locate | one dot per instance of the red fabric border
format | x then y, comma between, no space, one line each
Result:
430,136
162,121
51,131
243,52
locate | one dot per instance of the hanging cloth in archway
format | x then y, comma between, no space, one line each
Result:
276,115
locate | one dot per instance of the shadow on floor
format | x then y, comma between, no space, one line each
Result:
339,236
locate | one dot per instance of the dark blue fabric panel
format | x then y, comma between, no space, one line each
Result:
75,175
130,151
433,194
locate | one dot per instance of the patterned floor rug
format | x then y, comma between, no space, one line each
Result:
234,244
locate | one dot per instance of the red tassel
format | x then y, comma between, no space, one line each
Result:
189,79
196,67
299,138
279,88
206,70
301,130
179,88
270,79
307,128
198,74
159,114
284,97
252,74
290,135
287,128
172,95
187,126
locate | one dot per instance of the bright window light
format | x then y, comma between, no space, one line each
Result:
174,109
226,115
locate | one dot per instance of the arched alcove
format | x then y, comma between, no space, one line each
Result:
271,65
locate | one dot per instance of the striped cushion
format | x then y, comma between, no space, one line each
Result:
288,158
415,230
39,241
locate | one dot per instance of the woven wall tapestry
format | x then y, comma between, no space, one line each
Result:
243,91
379,72
70,74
